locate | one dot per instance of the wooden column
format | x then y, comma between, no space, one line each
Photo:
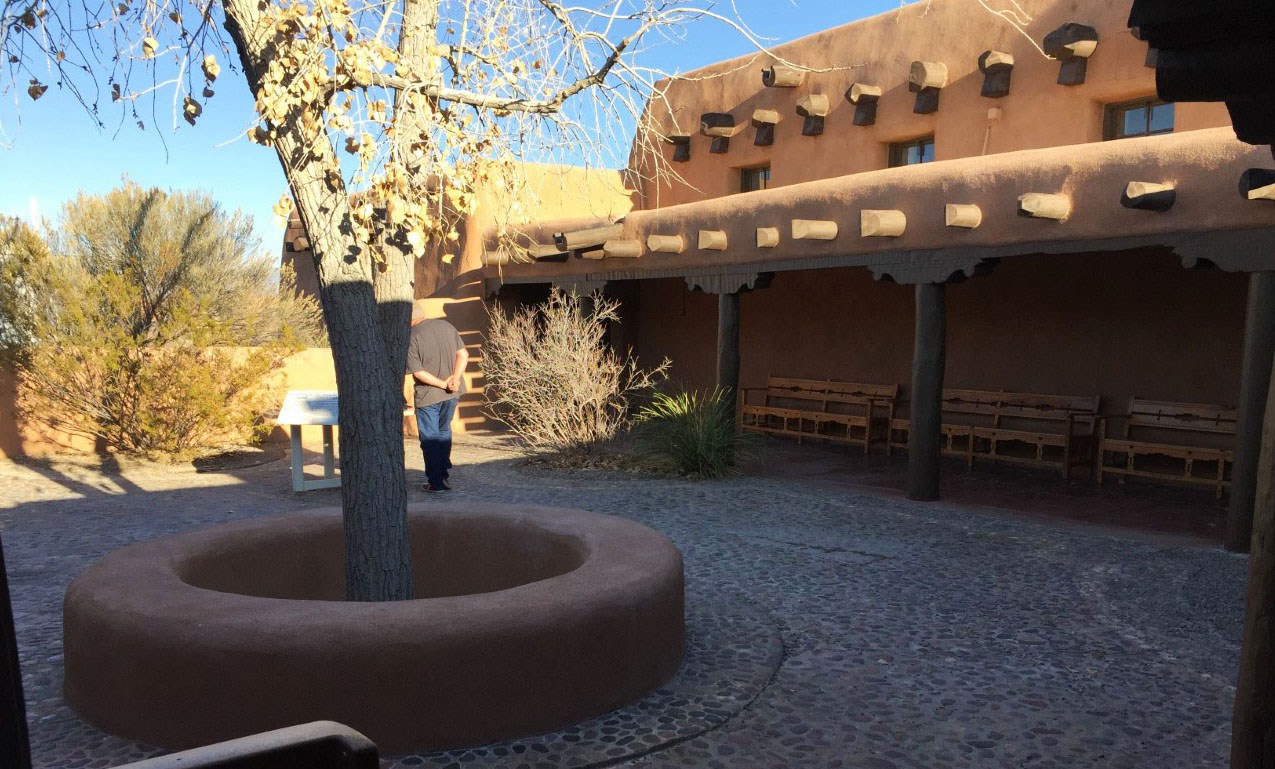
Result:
1255,378
15,747
728,344
925,440
1253,719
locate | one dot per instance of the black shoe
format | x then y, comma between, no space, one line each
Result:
432,488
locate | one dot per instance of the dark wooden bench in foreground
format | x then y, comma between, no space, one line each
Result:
1170,441
818,408
317,745
1053,431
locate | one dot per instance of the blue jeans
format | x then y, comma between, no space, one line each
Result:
434,423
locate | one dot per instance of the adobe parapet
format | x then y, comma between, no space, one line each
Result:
932,221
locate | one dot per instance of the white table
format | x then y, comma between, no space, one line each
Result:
311,407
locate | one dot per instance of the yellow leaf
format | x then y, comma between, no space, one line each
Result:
149,46
191,110
211,70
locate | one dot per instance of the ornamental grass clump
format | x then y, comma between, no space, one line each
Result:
552,378
692,434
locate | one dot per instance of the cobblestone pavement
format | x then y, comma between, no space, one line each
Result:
829,626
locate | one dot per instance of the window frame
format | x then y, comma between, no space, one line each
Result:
759,170
897,155
1113,117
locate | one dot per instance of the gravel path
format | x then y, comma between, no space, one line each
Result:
829,627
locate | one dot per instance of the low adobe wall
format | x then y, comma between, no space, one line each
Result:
531,619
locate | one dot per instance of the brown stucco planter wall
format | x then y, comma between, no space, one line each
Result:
531,618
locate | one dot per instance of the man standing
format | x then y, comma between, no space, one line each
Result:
436,359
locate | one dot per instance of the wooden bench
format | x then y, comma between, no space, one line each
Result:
1175,439
818,408
1054,431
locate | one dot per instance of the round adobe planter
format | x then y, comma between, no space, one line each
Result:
529,619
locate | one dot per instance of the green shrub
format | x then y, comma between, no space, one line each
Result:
144,321
692,434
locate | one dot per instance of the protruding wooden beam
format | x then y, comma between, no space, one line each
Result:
966,215
681,146
593,254
496,258
927,74
592,237
814,108
764,121
666,244
1148,196
301,243
882,223
926,79
546,252
718,124
864,97
622,249
1044,205
1072,44
712,240
782,77
767,237
813,229
1258,184
997,67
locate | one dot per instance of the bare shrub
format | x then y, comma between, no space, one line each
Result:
553,380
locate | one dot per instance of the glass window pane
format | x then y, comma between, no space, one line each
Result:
1134,122
913,156
1161,118
926,152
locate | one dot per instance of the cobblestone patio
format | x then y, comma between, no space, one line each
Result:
829,625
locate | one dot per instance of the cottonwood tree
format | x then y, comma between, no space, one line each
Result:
388,117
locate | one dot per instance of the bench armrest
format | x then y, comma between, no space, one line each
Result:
317,745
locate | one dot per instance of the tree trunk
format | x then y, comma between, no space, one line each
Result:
373,491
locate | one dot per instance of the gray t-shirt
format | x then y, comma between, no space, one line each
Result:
432,347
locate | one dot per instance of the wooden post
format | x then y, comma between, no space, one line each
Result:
1253,719
925,440
1255,377
728,344
15,745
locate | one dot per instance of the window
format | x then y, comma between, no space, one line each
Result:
1144,117
913,152
751,179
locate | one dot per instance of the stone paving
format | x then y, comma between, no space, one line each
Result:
829,626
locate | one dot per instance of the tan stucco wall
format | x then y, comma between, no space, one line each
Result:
879,50
1112,324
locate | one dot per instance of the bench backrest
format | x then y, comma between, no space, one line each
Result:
970,407
1189,417
1059,408
1013,410
828,391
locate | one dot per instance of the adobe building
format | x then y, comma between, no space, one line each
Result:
926,199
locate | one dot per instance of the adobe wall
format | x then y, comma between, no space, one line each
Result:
1114,324
879,50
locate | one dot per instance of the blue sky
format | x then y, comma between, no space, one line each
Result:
53,149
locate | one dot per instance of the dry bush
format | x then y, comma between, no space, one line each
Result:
553,380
